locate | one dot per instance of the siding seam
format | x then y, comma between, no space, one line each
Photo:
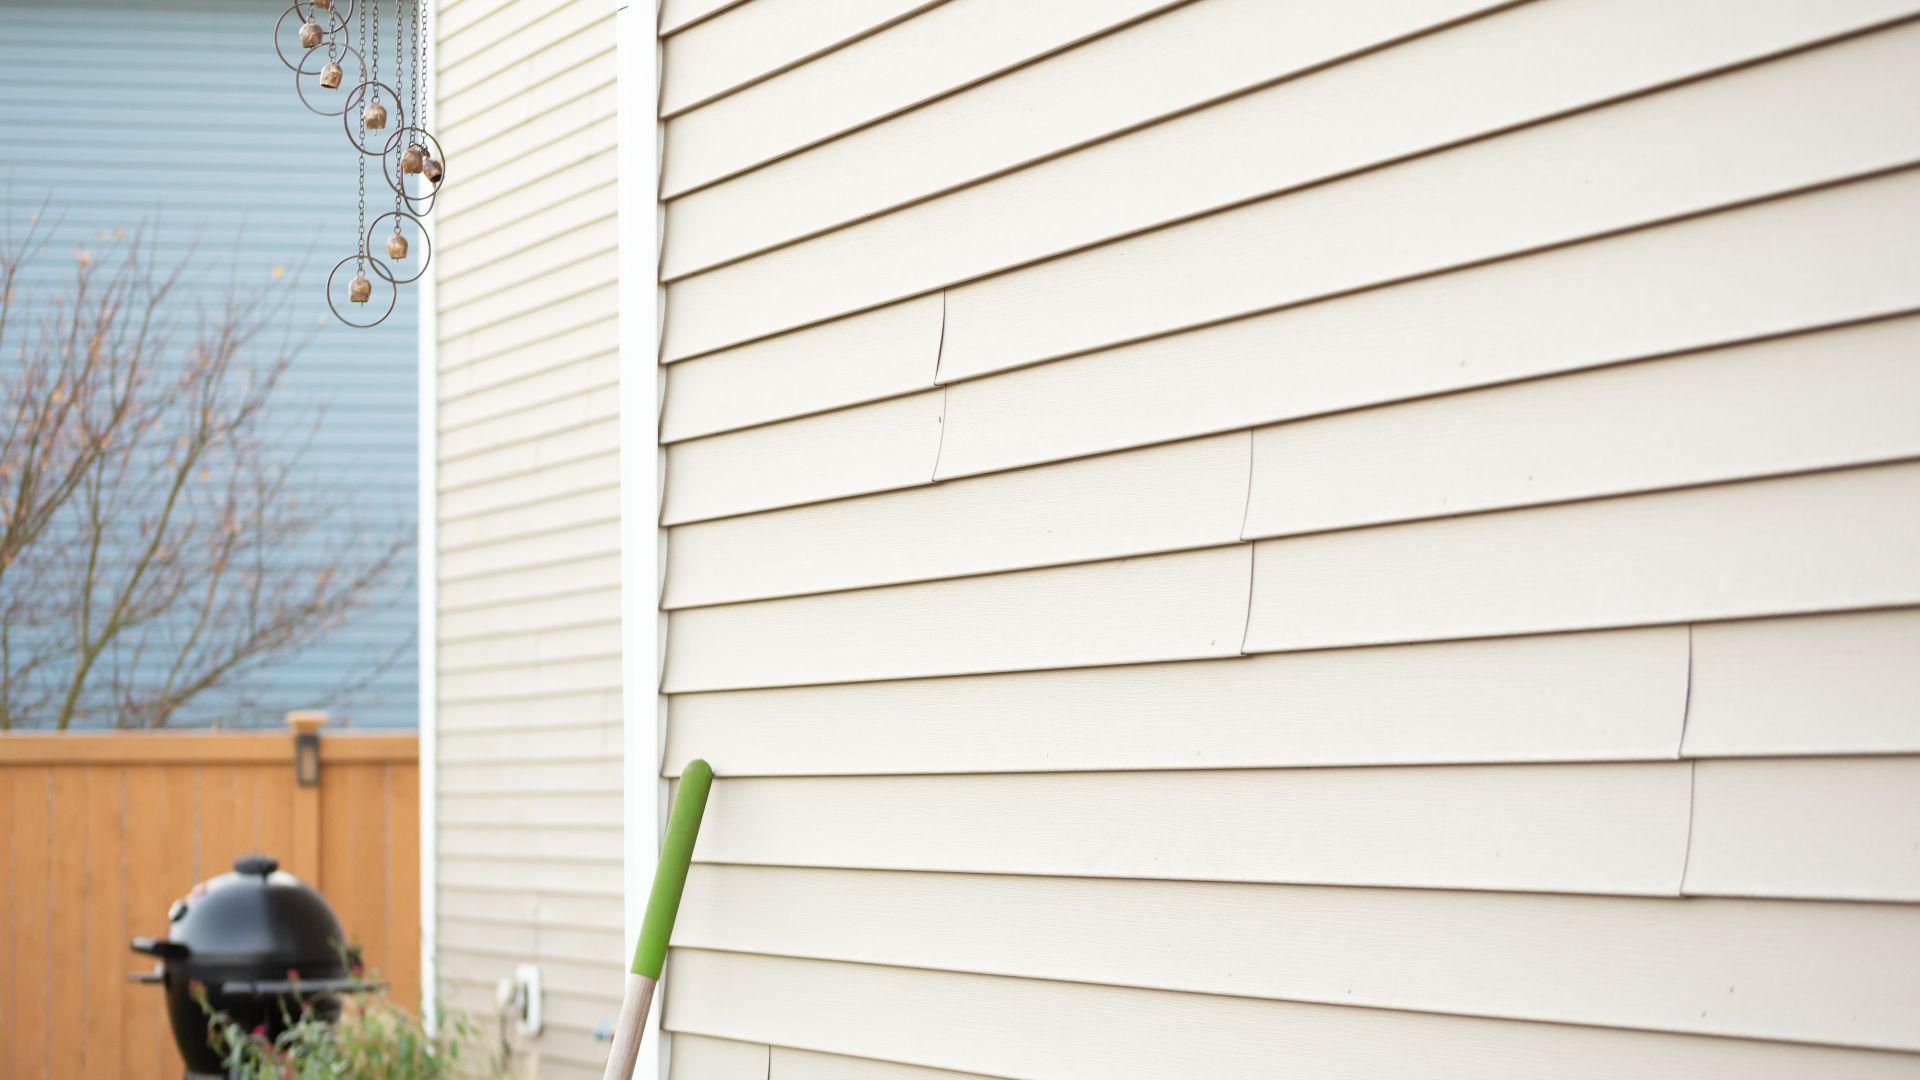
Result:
1693,820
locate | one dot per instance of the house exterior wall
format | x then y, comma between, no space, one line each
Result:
1245,538
175,122
529,741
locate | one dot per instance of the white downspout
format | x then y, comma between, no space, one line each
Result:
427,591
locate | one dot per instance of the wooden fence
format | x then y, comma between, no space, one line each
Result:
100,832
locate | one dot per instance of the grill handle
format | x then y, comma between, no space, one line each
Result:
160,947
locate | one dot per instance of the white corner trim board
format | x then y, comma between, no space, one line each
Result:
641,471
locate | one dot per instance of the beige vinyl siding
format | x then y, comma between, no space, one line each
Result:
529,814
1354,540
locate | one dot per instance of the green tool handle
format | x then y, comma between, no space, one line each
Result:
670,880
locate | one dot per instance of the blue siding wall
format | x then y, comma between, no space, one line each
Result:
179,113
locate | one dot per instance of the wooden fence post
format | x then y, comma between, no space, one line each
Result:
306,726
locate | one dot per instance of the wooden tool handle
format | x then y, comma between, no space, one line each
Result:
663,904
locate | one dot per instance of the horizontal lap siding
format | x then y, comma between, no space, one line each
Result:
1438,599
1036,1028
529,810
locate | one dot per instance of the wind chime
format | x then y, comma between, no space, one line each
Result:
380,123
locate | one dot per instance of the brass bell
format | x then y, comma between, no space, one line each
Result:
375,116
310,33
432,170
330,75
397,246
411,158
323,5
359,290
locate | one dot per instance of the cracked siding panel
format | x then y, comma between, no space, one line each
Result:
1613,696
1833,684
1163,498
1042,1028
1826,541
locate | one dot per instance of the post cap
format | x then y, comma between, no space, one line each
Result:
306,721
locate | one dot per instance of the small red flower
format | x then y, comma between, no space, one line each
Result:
293,974
259,1031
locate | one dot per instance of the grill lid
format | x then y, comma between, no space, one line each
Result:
261,921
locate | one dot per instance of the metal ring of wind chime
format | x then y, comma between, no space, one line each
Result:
382,119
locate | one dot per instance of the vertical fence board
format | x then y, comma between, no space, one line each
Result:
352,858
402,964
67,922
103,831
9,837
28,970
107,958
220,821
143,908
272,810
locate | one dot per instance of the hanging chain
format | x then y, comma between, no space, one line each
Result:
400,129
373,58
420,67
413,91
360,234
